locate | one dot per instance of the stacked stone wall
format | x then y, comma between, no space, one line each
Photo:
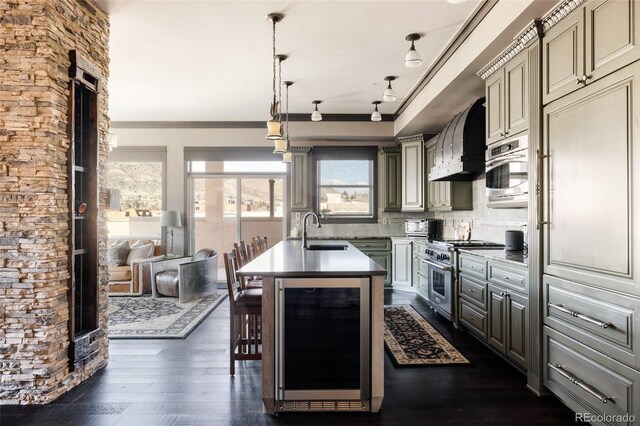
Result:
35,39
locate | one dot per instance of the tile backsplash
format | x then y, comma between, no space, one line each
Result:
486,223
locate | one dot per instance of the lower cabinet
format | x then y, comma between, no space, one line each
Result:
402,263
495,313
379,250
590,383
508,323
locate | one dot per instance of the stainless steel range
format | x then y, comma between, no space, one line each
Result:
437,266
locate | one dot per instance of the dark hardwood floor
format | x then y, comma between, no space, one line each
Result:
187,382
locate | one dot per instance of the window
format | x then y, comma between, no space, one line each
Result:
135,184
345,183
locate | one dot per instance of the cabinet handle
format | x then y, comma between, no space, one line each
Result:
471,317
472,267
573,379
502,293
470,290
506,277
583,80
540,209
583,317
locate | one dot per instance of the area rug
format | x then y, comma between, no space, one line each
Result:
144,317
413,342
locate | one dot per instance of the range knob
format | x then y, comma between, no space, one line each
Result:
439,257
445,257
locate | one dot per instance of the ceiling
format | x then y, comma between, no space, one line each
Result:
210,60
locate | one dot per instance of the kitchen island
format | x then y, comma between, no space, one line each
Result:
322,327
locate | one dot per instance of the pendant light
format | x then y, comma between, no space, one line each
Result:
280,144
376,116
274,125
287,156
412,59
316,116
389,94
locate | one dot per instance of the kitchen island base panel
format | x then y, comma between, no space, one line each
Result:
268,344
377,342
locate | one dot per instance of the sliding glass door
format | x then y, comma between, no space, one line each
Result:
230,203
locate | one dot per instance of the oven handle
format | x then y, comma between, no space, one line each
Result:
505,160
435,265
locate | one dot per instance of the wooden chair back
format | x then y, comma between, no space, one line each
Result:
230,267
261,244
241,253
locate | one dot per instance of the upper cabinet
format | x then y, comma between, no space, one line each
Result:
300,170
507,100
413,174
446,195
392,175
588,44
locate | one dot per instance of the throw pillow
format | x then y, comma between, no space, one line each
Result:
141,252
117,253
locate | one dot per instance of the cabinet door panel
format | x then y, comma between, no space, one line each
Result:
393,181
516,95
497,332
412,176
495,106
613,29
588,137
563,57
401,265
517,329
299,182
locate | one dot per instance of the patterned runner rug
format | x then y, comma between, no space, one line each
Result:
144,317
412,341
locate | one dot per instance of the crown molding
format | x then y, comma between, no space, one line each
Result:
531,32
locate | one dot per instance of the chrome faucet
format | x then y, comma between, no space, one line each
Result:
304,227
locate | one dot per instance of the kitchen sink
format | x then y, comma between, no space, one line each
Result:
327,247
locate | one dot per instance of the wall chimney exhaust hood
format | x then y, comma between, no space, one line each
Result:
460,147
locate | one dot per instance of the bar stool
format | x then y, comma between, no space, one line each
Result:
245,306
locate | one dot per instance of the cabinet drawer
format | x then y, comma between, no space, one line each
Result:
474,290
584,379
422,286
473,318
508,276
599,319
372,245
473,265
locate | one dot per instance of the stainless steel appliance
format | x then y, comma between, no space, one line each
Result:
507,173
322,343
429,228
438,265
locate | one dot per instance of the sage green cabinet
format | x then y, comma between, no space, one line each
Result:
591,174
413,176
507,97
300,169
446,196
392,175
379,250
494,309
588,44
507,325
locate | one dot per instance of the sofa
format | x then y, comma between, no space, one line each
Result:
129,262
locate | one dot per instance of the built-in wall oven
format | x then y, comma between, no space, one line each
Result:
507,170
322,344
